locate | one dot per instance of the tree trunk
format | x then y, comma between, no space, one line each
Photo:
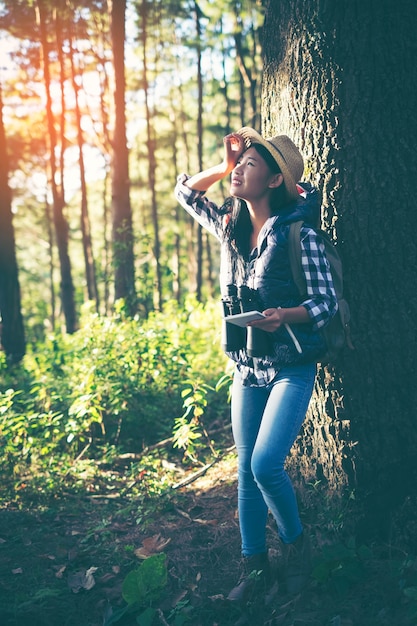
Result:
89,264
12,335
176,253
337,80
248,80
190,270
227,102
199,146
123,256
150,144
60,222
50,240
106,260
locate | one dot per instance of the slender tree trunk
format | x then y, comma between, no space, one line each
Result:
62,143
199,145
105,140
189,221
248,79
150,143
123,255
90,270
60,222
337,79
12,335
49,230
176,256
225,79
106,258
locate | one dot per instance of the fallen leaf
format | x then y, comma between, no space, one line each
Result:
151,545
82,580
89,578
60,571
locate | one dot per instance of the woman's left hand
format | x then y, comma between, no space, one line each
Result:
273,320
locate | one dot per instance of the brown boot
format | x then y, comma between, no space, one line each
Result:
297,558
254,578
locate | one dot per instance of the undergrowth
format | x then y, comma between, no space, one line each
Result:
99,432
118,385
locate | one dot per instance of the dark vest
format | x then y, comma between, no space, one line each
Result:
270,275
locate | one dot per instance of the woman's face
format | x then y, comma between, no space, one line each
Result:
252,178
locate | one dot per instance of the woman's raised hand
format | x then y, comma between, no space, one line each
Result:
234,145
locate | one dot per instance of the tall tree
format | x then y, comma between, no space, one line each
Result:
90,269
123,255
146,25
60,221
198,16
171,38
12,333
99,52
337,79
247,68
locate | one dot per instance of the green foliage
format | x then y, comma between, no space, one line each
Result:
198,397
145,584
187,427
142,587
117,383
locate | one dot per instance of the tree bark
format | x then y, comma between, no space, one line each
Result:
151,146
123,255
60,222
199,277
248,77
12,335
337,80
89,263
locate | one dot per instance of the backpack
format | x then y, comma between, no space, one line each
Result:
337,332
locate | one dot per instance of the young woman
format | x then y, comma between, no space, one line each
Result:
273,380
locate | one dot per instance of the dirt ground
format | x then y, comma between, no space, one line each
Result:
64,564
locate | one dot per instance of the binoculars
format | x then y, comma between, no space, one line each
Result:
234,338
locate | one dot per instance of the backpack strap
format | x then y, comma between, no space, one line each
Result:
294,250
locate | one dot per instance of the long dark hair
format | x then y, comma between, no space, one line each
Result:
240,226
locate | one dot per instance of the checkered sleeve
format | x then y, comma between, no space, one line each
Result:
205,212
321,302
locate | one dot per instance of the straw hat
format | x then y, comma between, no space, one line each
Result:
284,152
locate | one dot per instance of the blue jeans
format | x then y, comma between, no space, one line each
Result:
265,422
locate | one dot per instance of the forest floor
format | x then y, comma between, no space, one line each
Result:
64,563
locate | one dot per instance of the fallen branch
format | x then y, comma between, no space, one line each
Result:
202,471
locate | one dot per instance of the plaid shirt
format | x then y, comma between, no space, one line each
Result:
321,302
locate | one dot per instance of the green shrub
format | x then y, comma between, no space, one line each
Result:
115,382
